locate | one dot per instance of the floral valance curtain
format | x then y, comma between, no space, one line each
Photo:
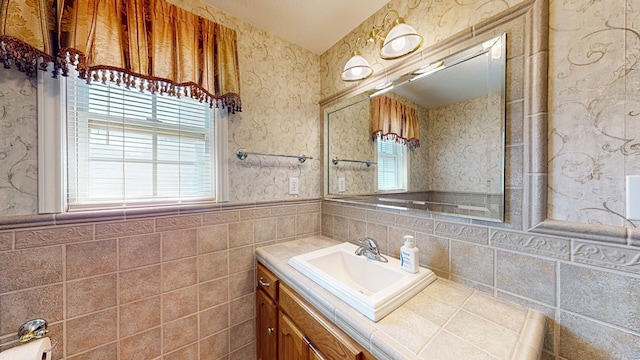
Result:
148,44
392,120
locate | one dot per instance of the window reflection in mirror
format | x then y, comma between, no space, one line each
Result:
392,165
458,167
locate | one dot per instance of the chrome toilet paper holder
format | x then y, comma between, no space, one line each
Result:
32,329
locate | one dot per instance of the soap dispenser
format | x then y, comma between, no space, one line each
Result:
409,257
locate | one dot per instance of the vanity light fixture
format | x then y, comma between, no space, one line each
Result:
357,68
397,40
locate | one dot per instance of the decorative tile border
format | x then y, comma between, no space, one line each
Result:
258,213
222,217
126,228
424,225
381,217
602,255
53,236
532,243
6,240
178,222
285,210
470,233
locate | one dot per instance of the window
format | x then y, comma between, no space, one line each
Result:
392,165
123,147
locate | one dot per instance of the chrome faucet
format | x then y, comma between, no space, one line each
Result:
369,248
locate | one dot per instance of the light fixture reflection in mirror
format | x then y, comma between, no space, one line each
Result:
397,40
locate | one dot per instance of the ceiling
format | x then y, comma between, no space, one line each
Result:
313,25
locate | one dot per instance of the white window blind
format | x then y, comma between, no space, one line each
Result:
391,165
125,146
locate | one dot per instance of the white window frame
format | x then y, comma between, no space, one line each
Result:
401,168
52,147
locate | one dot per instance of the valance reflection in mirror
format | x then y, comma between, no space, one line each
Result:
458,166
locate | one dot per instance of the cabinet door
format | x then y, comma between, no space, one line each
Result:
314,354
291,342
325,336
266,326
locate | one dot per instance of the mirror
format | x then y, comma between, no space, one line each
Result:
458,168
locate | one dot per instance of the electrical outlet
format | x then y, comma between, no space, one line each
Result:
342,184
294,188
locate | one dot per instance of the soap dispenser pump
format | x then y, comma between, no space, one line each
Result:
409,256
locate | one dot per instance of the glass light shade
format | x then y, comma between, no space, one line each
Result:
400,41
357,68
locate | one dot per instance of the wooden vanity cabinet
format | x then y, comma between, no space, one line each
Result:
314,354
302,332
266,314
292,343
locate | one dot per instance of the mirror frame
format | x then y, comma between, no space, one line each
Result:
452,61
535,167
528,212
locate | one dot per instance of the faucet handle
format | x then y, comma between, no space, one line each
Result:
370,248
369,242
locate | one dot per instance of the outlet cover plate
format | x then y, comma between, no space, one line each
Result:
294,186
633,197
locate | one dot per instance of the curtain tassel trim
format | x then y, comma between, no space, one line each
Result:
130,80
24,57
412,143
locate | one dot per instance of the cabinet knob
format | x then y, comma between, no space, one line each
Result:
262,283
270,330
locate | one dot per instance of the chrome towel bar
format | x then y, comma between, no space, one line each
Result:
335,161
242,154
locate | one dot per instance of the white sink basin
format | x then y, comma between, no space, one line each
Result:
371,287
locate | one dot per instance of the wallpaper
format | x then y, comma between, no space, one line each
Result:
594,132
18,151
465,146
280,94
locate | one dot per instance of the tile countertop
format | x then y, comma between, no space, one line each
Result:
444,321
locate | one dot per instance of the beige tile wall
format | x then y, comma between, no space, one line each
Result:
589,291
171,287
